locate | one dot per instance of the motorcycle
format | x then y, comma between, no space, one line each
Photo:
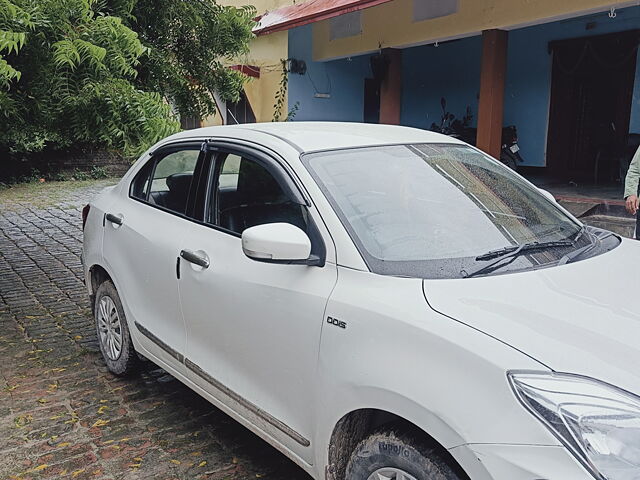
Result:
461,128
510,151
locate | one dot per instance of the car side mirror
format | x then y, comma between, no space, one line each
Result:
548,194
276,243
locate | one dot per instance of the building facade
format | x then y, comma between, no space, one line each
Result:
566,74
263,68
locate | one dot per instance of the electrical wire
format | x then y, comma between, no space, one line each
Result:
315,88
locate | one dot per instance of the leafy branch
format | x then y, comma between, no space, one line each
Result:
281,94
113,73
281,97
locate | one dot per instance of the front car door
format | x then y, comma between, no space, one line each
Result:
254,327
143,232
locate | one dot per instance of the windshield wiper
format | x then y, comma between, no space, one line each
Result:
501,252
571,256
582,231
511,253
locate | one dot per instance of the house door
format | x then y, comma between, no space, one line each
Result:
591,96
371,100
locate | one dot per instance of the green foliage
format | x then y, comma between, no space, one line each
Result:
7,75
14,24
281,94
94,173
68,73
293,112
281,98
36,176
117,115
112,73
11,41
188,42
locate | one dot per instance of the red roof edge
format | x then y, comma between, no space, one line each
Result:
312,11
249,70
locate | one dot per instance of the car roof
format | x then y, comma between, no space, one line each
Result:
316,136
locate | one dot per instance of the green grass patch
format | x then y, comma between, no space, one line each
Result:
46,194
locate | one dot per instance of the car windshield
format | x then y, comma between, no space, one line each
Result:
430,210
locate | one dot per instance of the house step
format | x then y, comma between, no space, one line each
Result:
578,209
588,207
621,226
602,213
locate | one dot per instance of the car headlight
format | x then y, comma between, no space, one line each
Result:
598,423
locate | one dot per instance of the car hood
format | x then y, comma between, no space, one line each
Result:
581,318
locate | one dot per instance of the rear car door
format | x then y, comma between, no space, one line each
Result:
254,327
143,233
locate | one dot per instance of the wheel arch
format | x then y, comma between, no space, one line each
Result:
357,424
98,274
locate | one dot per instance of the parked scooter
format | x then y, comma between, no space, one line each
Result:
510,150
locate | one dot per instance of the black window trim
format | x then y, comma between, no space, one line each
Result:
155,157
234,143
275,167
213,150
209,147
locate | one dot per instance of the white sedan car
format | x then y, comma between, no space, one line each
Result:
376,302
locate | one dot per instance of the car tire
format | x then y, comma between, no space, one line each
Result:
113,332
389,455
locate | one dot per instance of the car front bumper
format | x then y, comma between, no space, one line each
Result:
519,462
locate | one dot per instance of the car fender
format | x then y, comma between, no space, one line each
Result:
398,355
93,232
133,330
405,409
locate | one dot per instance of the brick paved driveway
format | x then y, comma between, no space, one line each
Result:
62,415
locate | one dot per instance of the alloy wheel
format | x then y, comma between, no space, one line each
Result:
109,328
390,473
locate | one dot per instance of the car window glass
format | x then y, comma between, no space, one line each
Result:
140,184
247,194
429,210
171,180
229,173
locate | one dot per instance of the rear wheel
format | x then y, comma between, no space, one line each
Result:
113,333
387,456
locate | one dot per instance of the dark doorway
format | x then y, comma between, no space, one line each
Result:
188,123
240,112
591,95
371,100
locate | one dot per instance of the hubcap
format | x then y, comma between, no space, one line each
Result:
390,473
109,328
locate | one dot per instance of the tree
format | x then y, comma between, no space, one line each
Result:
188,40
106,73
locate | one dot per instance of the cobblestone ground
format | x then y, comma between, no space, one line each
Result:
62,415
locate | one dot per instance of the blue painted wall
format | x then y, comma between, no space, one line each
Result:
343,80
528,86
452,71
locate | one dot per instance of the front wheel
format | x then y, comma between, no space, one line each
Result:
387,456
113,333
509,161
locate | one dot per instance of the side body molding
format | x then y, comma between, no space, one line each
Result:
270,419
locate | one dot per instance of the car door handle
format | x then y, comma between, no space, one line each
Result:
117,219
199,259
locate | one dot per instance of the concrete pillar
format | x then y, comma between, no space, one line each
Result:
391,88
492,80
